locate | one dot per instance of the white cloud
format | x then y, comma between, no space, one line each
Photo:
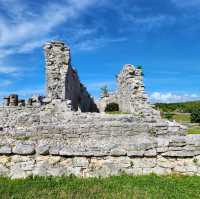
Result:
170,97
96,43
30,32
14,71
8,69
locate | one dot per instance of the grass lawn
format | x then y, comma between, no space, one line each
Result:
194,130
141,187
181,117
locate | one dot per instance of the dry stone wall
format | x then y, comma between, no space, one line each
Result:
46,137
53,141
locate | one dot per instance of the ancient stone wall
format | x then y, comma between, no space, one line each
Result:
62,80
46,137
57,58
131,90
130,94
53,141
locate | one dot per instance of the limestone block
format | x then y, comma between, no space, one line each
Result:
162,142
5,150
143,162
5,160
156,170
40,169
165,162
16,171
177,141
193,140
135,153
80,162
162,149
42,149
134,171
150,153
118,152
20,158
23,149
178,154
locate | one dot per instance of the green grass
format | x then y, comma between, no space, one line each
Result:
179,117
182,117
194,131
143,187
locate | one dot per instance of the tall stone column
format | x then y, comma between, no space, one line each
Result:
57,58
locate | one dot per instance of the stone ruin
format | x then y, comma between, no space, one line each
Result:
130,95
62,79
62,133
62,83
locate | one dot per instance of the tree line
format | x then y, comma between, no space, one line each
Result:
182,107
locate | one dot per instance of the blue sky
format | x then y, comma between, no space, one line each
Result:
160,35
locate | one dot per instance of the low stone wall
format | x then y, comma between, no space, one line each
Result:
17,166
51,141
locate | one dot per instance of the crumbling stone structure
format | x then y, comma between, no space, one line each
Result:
130,94
49,139
11,100
62,81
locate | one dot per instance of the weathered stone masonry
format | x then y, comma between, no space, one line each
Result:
50,139
62,81
130,94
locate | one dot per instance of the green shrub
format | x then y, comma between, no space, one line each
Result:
168,115
195,116
112,107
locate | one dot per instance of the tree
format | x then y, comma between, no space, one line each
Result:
104,91
195,116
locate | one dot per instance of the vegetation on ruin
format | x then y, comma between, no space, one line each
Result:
145,187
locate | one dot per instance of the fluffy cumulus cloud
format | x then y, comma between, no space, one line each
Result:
170,97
